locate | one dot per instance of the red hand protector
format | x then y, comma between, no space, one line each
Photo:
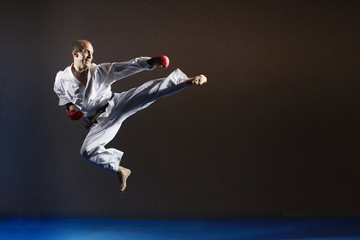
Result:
74,115
163,60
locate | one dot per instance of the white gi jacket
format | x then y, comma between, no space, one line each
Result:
97,92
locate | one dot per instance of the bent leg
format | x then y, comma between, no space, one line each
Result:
93,148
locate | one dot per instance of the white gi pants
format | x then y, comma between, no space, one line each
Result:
120,107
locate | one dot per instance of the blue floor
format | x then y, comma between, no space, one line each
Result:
98,229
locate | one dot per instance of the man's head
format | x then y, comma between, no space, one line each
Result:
82,52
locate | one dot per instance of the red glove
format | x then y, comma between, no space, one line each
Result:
163,60
74,115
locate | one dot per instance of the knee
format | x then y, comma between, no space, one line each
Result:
85,153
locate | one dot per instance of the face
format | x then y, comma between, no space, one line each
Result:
83,59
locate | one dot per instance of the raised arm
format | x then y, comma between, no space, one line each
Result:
113,72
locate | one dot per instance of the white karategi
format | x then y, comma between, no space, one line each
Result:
97,93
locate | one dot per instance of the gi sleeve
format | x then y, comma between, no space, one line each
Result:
112,72
60,92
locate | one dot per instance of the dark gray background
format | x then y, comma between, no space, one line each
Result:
275,130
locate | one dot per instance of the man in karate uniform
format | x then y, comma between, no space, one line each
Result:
85,89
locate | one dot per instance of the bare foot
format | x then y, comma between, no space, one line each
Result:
198,80
123,174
